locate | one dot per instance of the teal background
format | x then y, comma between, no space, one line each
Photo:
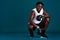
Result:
14,17
14,14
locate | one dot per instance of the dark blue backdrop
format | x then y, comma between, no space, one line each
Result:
14,14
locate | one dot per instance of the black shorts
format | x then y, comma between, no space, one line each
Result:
41,25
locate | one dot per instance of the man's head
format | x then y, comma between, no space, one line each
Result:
39,5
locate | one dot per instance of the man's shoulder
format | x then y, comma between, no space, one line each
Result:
34,9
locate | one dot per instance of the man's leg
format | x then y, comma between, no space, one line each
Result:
31,29
44,26
44,23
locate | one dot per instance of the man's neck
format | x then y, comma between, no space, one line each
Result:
38,11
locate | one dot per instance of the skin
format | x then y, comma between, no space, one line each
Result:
32,24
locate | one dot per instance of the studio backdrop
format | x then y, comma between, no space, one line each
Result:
14,14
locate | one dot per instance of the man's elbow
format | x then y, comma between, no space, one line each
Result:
48,16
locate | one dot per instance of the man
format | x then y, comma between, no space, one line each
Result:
42,24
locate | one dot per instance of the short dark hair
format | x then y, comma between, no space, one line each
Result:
39,3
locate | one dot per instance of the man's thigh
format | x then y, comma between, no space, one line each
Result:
42,23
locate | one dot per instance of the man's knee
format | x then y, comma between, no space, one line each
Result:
47,19
30,27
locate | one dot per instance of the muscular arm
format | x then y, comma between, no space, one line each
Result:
31,18
46,14
47,19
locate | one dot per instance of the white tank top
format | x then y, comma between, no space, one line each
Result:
36,14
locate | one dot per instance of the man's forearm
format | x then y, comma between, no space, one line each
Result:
47,23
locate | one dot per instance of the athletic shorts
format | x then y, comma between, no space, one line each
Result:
41,24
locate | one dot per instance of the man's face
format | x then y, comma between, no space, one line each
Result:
39,6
